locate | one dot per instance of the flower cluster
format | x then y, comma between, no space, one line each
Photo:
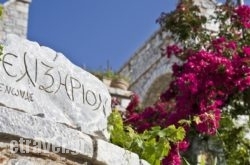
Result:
201,86
173,49
151,116
242,16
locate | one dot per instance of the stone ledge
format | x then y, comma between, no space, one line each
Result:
25,1
15,125
119,92
31,127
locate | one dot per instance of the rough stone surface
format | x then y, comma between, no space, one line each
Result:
147,64
38,129
144,77
120,156
40,81
154,91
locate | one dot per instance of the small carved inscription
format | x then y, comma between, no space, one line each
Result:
23,94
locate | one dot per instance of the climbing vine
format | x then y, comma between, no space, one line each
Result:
209,89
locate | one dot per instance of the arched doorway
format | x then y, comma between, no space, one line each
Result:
158,86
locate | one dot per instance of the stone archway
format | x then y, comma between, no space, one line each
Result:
160,84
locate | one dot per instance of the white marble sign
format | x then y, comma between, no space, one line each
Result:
42,82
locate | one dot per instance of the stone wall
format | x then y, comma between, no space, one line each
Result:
15,18
148,64
55,138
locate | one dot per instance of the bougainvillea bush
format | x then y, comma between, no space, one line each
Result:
210,87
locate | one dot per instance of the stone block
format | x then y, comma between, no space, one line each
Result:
39,80
37,129
24,8
22,23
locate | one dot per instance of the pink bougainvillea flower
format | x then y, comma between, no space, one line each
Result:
173,50
242,15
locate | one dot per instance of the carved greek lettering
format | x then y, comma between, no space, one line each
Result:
22,93
31,96
8,63
47,79
104,107
90,99
36,70
75,84
25,95
26,71
63,84
7,90
1,86
14,92
83,94
50,76
100,102
28,97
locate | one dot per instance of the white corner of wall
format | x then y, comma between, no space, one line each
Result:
8,2
24,1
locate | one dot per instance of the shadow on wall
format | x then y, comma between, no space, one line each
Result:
158,86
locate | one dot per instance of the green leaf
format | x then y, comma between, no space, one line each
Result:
186,162
184,122
161,133
152,145
197,119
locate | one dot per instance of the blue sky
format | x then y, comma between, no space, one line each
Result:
92,33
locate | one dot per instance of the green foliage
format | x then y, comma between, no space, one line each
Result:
185,162
239,104
109,74
233,136
152,145
1,10
104,75
236,145
186,23
120,77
